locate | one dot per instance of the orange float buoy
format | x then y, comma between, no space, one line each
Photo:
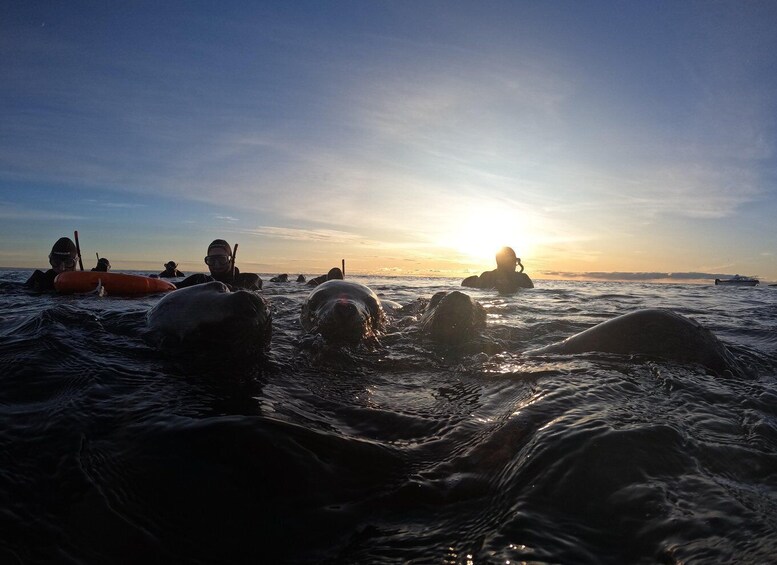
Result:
117,284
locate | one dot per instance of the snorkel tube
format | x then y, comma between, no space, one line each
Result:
78,250
232,266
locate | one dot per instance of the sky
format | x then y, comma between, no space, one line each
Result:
623,140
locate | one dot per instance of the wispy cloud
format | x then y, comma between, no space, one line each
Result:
627,276
104,204
323,235
12,212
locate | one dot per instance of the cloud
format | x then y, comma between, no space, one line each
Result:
105,204
652,192
228,219
629,276
321,235
10,211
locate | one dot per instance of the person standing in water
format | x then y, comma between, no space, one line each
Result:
503,278
63,257
220,263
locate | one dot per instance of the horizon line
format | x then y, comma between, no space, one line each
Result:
605,276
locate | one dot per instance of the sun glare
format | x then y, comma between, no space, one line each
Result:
479,233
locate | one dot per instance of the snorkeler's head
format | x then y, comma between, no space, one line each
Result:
506,259
63,255
334,273
219,255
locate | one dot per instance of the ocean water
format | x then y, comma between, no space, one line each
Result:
113,452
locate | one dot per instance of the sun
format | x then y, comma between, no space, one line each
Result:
480,232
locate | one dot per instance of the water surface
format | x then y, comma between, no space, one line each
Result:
407,453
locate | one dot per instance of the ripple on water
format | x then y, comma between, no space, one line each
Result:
406,452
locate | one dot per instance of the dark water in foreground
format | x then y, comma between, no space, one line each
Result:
114,453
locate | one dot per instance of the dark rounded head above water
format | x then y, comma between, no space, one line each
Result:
453,318
208,316
506,259
334,274
343,311
651,332
63,255
220,244
103,265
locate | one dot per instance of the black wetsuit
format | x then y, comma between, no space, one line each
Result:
41,281
247,281
316,281
505,282
171,274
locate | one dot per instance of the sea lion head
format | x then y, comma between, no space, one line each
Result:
343,311
453,317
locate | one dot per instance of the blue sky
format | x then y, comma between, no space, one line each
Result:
406,137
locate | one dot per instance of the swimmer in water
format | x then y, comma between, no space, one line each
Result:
219,262
333,274
503,278
171,271
63,257
103,265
